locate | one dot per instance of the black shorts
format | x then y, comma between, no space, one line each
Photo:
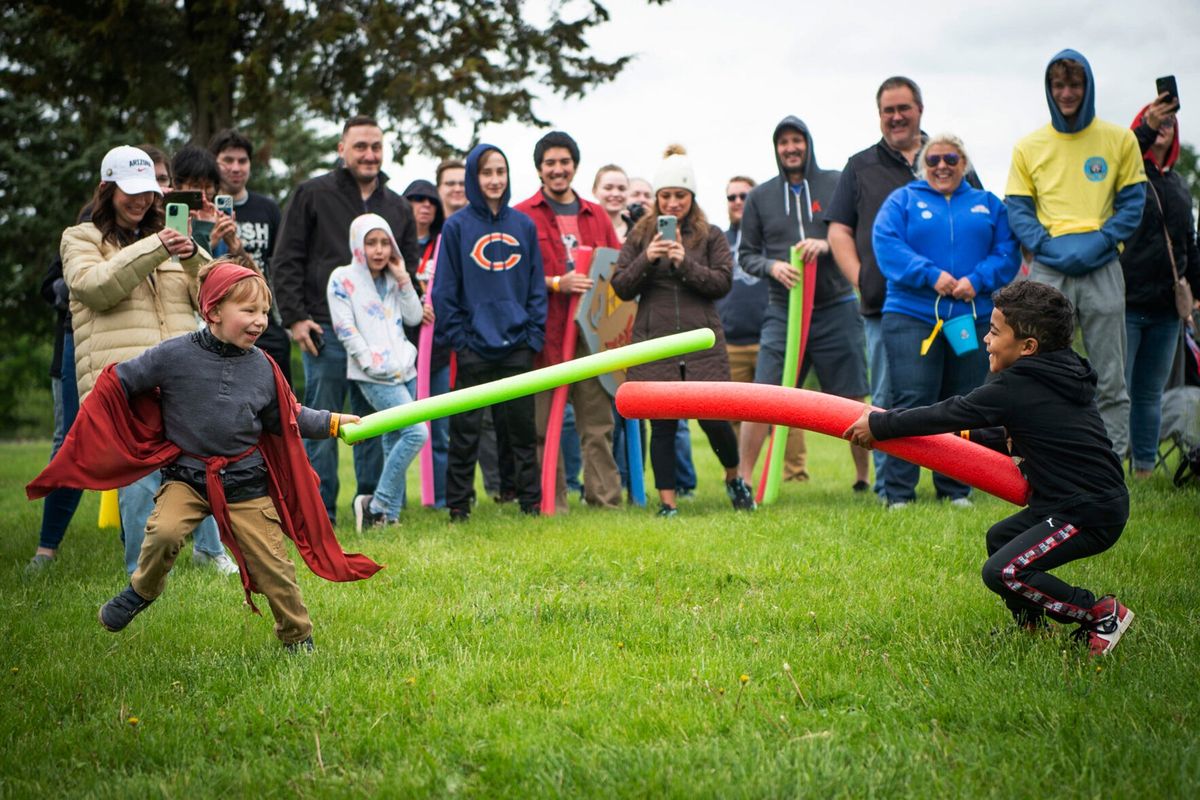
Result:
837,349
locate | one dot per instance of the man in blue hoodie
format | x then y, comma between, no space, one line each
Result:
489,298
787,211
1075,194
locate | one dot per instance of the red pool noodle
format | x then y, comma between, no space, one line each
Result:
953,456
558,402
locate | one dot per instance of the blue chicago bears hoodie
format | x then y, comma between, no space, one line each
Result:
489,291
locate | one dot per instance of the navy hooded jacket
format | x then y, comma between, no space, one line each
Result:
489,291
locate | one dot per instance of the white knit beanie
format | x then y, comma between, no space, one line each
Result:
676,171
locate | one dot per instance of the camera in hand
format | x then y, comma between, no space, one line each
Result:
634,212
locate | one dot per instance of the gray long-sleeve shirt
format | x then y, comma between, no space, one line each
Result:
216,399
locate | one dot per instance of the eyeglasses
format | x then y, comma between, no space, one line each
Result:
732,197
951,159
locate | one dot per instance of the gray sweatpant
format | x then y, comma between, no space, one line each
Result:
1099,300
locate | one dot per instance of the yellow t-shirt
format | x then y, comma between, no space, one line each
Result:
1073,177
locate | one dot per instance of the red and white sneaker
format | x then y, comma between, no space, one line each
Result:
1109,621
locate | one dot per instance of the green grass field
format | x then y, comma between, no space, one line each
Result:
818,648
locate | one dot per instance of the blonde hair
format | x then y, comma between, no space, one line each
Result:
948,139
605,169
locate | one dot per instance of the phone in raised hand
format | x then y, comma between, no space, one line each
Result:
666,226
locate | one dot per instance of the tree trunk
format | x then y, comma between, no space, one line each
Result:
214,36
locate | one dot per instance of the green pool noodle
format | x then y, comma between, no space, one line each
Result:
791,368
539,380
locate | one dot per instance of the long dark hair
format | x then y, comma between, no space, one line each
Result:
104,217
693,228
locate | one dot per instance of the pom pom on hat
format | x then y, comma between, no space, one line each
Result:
676,170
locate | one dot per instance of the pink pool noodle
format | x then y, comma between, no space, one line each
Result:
424,354
951,455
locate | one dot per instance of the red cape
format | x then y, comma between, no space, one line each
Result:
116,441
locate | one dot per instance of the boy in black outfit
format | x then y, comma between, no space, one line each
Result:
1039,405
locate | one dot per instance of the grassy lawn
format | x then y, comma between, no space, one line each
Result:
821,648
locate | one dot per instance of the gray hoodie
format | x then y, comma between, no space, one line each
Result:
776,217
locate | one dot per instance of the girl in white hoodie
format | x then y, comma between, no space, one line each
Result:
370,302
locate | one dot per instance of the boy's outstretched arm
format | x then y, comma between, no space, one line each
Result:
860,432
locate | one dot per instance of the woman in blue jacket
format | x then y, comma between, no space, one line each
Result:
944,247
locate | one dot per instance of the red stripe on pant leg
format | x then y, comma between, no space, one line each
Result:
1009,574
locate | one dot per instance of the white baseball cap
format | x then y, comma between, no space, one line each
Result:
130,169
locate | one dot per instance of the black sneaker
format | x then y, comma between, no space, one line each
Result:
859,487
505,496
120,611
685,494
302,646
459,515
740,495
665,510
363,516
531,511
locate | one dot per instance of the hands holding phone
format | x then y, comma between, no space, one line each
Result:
665,248
178,244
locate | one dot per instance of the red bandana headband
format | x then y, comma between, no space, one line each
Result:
217,283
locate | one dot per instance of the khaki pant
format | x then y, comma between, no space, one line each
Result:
594,423
742,358
256,528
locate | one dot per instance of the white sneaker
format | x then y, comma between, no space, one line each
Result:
962,502
223,564
897,505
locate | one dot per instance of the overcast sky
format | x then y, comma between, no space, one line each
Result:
717,76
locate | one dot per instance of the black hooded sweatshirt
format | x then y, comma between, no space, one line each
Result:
1046,404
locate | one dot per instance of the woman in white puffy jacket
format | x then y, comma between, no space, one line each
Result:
370,302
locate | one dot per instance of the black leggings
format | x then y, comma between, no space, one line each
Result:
662,447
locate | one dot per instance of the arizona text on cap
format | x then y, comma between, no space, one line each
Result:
130,169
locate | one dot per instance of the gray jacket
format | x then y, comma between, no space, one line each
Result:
776,217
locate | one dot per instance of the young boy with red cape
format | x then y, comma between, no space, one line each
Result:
215,414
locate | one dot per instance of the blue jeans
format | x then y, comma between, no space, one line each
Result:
881,390
439,432
59,506
620,447
325,389
572,455
1151,340
920,380
685,470
137,501
400,446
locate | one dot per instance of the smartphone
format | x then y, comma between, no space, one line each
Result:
1167,84
318,340
177,217
192,200
666,226
224,203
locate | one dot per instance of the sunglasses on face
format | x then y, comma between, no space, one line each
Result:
732,197
951,159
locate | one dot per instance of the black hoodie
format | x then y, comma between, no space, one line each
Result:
1047,405
776,218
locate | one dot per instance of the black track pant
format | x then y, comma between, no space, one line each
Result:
514,422
1023,548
